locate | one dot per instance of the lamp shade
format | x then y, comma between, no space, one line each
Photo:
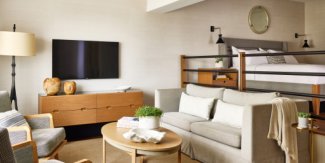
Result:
17,43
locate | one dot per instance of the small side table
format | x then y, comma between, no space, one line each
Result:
311,129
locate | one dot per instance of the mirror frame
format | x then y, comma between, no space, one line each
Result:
266,16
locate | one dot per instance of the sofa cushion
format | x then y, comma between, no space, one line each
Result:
12,118
196,106
207,92
180,120
47,140
229,114
219,132
245,98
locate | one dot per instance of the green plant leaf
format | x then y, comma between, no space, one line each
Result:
146,110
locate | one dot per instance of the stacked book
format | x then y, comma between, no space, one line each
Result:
128,122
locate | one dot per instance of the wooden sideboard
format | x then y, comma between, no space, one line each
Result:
88,108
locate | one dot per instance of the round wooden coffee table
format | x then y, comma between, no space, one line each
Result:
170,144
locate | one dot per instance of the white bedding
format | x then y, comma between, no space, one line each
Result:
287,68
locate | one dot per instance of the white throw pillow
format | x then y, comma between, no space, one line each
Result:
196,106
249,60
229,114
288,58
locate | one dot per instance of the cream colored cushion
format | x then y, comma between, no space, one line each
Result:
200,91
229,114
196,106
245,98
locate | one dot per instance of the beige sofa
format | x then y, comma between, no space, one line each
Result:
213,142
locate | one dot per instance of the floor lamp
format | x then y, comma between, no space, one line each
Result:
16,44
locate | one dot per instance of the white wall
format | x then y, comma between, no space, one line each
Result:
150,43
315,29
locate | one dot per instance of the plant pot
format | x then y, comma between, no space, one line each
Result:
219,64
150,122
302,122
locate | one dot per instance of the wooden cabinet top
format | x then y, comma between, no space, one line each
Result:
92,92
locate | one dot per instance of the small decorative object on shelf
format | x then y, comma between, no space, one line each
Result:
51,86
70,87
303,120
219,62
149,117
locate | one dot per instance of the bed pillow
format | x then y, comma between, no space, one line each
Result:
249,60
229,114
12,118
197,106
288,58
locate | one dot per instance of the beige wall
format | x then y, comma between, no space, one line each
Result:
315,28
150,43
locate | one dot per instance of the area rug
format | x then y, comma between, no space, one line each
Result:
92,149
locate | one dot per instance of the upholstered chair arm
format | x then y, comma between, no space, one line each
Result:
25,152
168,99
40,121
255,146
19,134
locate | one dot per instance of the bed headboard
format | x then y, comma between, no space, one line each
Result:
253,44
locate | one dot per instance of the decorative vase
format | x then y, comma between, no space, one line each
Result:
302,122
51,86
150,122
219,64
69,87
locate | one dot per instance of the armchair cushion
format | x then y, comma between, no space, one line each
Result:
6,154
180,120
219,132
5,104
47,140
12,118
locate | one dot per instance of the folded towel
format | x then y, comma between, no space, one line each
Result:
284,114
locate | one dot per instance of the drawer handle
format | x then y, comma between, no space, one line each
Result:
82,109
108,107
54,111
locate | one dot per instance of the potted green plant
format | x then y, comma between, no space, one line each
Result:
149,117
303,119
219,62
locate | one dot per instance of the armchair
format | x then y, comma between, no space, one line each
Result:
48,140
24,152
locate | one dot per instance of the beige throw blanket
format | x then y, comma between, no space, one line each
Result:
284,113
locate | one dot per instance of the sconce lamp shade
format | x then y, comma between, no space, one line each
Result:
305,44
220,40
17,43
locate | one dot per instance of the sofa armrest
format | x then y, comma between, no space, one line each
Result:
255,145
40,121
19,134
168,99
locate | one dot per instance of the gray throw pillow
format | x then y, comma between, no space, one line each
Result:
12,118
275,59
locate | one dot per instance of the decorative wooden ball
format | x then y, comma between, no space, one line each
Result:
51,86
70,87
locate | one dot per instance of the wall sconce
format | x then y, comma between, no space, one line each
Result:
220,40
305,41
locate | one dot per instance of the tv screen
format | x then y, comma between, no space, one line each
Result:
74,59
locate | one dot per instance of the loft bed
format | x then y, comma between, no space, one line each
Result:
304,80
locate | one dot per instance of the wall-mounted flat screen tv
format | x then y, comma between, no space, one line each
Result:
76,59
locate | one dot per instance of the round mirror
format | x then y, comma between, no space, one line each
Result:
258,19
